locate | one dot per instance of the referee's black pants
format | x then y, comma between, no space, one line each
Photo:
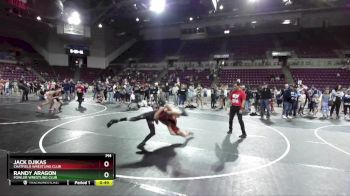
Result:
233,111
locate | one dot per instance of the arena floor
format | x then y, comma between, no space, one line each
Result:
299,157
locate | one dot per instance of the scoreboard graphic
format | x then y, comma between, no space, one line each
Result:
77,169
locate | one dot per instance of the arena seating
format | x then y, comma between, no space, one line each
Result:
151,50
321,78
141,76
252,77
194,50
63,72
189,76
7,55
310,43
14,72
45,71
249,46
307,43
90,74
17,44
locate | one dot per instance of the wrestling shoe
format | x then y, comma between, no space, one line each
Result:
229,132
190,134
111,122
243,136
141,146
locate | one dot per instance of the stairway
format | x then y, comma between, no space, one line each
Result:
276,43
287,74
342,44
337,39
216,80
180,48
77,74
162,74
36,73
223,47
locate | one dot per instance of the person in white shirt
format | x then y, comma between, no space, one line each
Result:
199,90
190,94
301,103
175,89
346,102
7,88
132,97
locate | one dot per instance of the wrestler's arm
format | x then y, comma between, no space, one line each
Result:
179,132
171,131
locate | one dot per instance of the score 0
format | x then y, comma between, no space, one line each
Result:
106,164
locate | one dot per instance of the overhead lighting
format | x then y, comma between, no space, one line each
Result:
137,19
253,1
287,2
100,26
227,32
190,18
254,22
157,6
215,3
286,22
74,18
221,7
121,34
38,18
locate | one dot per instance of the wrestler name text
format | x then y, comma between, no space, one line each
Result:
42,162
35,173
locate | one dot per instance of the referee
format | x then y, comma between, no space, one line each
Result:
237,97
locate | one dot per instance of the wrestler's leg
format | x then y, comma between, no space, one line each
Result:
152,132
136,118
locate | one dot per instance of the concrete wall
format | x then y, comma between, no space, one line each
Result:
166,32
96,62
267,23
117,52
51,46
35,34
329,18
58,59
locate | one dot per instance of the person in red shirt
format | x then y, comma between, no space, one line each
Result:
80,88
167,115
237,98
